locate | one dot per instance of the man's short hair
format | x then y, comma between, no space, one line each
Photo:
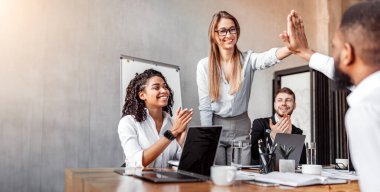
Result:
360,25
287,91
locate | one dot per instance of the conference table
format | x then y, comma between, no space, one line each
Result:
105,179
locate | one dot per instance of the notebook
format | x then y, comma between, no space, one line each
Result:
198,155
296,179
297,141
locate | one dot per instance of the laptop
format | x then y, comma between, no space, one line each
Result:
198,155
295,140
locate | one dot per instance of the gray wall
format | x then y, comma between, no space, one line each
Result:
59,89
59,73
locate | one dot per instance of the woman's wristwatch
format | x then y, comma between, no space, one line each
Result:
169,135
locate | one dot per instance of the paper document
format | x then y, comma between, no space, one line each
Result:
297,179
245,175
340,174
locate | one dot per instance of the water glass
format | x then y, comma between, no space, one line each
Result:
239,150
311,153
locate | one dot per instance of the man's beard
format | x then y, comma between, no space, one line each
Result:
342,80
282,115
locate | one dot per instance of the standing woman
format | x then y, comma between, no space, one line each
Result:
148,134
224,81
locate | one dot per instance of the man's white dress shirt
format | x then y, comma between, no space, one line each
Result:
362,123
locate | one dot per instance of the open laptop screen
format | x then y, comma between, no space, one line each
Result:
199,151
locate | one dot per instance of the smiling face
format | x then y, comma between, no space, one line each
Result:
229,40
155,93
284,104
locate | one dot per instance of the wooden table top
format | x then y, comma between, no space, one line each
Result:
105,179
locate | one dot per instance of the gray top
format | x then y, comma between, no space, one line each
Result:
231,105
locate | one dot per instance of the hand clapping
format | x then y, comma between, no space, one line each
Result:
284,125
183,117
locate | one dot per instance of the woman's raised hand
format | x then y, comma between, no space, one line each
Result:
295,38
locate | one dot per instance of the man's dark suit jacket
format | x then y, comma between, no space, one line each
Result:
259,127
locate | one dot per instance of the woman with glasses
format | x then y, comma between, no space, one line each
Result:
224,81
148,134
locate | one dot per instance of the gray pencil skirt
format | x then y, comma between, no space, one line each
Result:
234,129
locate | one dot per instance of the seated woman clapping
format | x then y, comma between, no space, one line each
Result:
150,137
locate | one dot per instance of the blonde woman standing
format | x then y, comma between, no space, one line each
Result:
224,81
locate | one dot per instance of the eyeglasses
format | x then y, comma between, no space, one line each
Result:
224,31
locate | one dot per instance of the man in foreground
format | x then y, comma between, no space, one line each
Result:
355,64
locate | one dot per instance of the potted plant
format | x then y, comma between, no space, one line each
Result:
286,165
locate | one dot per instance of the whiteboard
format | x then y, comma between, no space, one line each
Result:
301,117
129,66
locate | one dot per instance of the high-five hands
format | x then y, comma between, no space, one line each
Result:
295,37
284,125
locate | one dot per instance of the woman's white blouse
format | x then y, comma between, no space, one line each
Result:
135,137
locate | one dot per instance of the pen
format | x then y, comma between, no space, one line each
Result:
262,154
263,159
273,149
260,146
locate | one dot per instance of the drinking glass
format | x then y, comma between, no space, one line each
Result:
311,153
238,152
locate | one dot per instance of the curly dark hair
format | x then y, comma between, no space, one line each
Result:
133,104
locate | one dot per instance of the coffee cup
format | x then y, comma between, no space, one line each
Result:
223,175
312,169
